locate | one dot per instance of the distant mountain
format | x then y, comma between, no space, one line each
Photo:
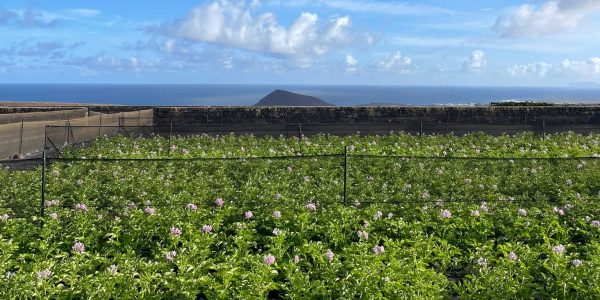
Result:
285,98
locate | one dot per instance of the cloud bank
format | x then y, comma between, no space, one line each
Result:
235,24
551,17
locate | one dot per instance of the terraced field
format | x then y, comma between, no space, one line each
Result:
443,216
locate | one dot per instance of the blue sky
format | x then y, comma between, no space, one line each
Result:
367,42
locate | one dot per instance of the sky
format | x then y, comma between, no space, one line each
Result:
330,42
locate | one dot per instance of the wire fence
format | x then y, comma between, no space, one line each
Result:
29,135
344,179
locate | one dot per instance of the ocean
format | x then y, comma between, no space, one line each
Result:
243,95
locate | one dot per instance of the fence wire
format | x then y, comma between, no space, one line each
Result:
113,184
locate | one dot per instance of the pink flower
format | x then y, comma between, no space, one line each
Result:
446,214
207,228
269,259
475,213
44,274
150,210
81,206
363,235
78,247
296,258
113,270
191,206
171,255
561,212
365,224
559,250
219,202
378,250
276,214
522,212
512,256
175,231
53,216
311,206
248,215
329,255
131,205
596,223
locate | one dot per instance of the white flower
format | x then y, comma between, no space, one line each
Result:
577,262
378,250
484,207
512,256
377,215
113,270
482,262
522,212
475,213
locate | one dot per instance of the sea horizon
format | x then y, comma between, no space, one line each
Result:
177,94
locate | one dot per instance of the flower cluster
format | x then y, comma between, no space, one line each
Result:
78,247
170,256
176,231
81,206
363,235
269,259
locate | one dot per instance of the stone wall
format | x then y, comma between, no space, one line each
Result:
361,115
561,115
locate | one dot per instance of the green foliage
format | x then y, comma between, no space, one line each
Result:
486,249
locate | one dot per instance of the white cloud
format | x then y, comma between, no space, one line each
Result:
235,25
351,63
476,63
585,68
84,12
551,17
539,69
395,62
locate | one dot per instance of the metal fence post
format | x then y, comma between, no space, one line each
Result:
421,129
544,129
345,175
100,127
170,133
21,141
43,196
